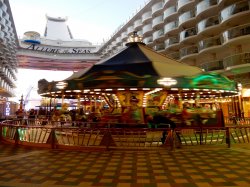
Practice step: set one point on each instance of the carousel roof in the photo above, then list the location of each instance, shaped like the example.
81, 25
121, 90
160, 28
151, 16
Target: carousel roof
136, 66
140, 60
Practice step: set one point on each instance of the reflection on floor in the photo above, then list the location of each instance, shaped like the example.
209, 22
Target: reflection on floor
22, 167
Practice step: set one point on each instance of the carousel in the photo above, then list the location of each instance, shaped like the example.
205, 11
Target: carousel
137, 82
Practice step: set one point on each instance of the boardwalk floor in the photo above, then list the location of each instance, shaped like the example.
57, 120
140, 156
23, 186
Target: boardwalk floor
22, 167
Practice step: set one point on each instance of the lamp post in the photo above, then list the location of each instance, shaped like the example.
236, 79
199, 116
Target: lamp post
62, 85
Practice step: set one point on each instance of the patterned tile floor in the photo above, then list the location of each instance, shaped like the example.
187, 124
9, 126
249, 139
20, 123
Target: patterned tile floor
22, 167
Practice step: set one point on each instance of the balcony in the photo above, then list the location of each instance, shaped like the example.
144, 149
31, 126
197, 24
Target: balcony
1, 13
238, 60
209, 43
130, 29
237, 35
207, 23
188, 34
3, 22
187, 18
118, 40
212, 66
157, 22
205, 7
158, 35
148, 40
230, 14
185, 5
170, 13
168, 3
146, 17
124, 36
225, 3
175, 55
137, 24
159, 47
188, 51
156, 8
171, 27
147, 29
172, 42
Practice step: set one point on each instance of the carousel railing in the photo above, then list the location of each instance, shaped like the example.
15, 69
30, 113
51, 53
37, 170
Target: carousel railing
237, 120
119, 136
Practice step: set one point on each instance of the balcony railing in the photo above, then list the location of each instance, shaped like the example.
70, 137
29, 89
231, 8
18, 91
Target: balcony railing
156, 7
211, 21
171, 41
118, 40
188, 51
209, 42
158, 20
182, 3
158, 34
146, 16
148, 40
188, 33
124, 35
204, 5
169, 11
159, 47
170, 26
175, 55
239, 59
138, 23
212, 66
147, 28
238, 7
186, 16
236, 32
130, 29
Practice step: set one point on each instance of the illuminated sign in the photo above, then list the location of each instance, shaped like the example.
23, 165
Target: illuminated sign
167, 81
62, 50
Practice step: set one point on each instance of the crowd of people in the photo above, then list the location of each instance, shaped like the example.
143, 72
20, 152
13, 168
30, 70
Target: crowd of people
188, 116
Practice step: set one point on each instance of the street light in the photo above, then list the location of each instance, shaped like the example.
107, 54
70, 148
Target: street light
61, 85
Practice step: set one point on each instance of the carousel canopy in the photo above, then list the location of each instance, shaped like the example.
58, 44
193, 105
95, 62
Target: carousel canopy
140, 60
137, 66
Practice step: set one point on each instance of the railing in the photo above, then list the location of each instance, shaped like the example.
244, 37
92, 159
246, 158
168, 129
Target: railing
148, 40
182, 3
169, 11
172, 40
170, 26
159, 47
156, 7
211, 21
112, 137
233, 121
209, 42
238, 59
146, 16
204, 5
158, 34
186, 16
212, 66
238, 7
187, 33
235, 32
189, 50
157, 21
